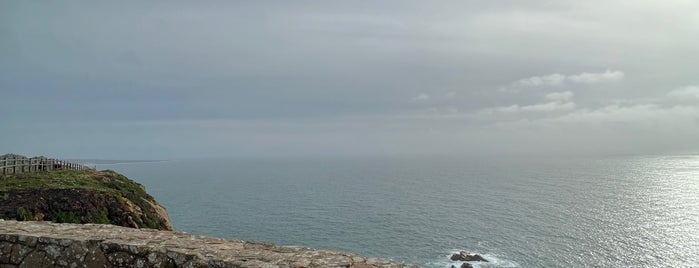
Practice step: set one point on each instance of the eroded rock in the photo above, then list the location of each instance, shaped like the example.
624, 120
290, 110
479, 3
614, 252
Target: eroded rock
465, 256
45, 244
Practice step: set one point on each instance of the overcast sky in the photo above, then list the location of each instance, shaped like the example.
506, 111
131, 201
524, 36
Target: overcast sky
170, 79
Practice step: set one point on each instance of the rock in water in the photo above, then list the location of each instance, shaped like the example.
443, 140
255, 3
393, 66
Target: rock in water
465, 256
466, 265
476, 257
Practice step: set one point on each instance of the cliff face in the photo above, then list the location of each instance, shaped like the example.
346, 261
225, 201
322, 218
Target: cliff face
48, 245
85, 196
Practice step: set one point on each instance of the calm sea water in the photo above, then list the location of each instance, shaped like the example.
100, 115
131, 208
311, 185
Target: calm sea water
518, 212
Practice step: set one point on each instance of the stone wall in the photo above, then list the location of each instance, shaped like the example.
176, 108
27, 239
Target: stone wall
45, 244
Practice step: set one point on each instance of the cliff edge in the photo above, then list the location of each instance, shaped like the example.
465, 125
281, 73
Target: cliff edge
80, 196
49, 245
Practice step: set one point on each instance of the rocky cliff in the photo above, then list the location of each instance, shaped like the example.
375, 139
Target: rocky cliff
84, 196
48, 245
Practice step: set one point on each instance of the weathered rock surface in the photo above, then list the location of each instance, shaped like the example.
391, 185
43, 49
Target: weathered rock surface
465, 256
45, 244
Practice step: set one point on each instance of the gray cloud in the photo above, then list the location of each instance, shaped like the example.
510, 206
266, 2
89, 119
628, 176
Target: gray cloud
315, 77
561, 80
560, 96
685, 94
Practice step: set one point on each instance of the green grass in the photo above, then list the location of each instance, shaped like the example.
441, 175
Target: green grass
24, 215
107, 180
67, 217
98, 217
63, 179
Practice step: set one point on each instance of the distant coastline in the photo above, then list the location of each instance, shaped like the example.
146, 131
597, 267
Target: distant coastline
112, 162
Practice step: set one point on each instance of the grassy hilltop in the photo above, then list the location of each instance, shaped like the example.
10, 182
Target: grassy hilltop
84, 196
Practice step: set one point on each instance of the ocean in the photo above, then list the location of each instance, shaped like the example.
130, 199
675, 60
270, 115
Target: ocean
616, 211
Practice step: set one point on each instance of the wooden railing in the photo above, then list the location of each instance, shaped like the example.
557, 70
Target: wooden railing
36, 164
